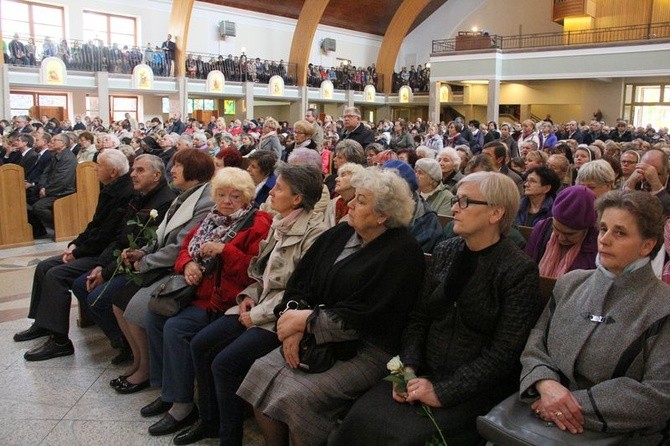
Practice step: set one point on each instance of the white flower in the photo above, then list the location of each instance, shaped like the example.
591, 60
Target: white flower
153, 214
395, 365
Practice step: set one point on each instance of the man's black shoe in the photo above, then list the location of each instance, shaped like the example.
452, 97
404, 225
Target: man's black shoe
33, 332
168, 424
50, 349
157, 407
200, 429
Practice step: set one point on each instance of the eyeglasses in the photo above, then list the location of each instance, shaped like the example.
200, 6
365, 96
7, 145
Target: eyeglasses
626, 162
464, 202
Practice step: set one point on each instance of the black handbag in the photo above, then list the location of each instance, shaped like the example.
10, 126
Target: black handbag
171, 296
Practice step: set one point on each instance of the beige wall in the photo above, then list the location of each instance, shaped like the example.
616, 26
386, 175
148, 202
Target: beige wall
506, 18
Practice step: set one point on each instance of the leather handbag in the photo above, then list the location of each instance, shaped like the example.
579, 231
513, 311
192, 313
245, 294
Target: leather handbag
171, 296
512, 423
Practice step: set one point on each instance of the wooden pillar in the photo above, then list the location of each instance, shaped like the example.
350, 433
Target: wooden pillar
180, 19
403, 19
303, 36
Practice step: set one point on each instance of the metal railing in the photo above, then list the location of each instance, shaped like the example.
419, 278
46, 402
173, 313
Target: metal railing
239, 68
542, 40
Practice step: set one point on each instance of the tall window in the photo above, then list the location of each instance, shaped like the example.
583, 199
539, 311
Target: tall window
110, 28
647, 104
21, 102
30, 19
122, 105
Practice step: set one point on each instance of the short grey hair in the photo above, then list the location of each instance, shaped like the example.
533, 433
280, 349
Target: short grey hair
156, 164
452, 154
427, 151
200, 136
304, 180
117, 160
187, 139
351, 168
304, 155
392, 196
352, 150
599, 171
498, 190
115, 139
352, 111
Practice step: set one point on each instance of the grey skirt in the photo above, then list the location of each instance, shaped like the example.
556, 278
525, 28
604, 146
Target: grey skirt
138, 307
311, 404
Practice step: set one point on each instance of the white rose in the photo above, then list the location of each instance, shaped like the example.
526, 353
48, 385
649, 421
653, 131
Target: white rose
395, 364
153, 214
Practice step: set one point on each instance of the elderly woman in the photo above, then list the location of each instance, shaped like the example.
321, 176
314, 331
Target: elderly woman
224, 351
429, 177
191, 173
453, 137
371, 153
567, 240
539, 190
346, 151
359, 281
302, 131
401, 138
597, 360
338, 208
269, 139
534, 159
465, 335
214, 257
450, 162
261, 168
547, 137
598, 176
219, 126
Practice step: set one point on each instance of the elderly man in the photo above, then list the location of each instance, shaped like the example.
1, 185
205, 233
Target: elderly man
310, 116
57, 180
354, 129
50, 299
651, 174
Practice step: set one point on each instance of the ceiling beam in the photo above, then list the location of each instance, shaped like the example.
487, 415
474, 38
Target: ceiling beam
303, 37
400, 24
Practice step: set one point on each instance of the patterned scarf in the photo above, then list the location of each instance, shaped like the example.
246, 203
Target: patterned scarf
214, 228
555, 261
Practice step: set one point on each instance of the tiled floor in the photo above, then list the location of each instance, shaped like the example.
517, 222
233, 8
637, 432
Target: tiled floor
64, 401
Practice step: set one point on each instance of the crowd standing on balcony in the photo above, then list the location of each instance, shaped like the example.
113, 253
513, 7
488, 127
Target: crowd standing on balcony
597, 199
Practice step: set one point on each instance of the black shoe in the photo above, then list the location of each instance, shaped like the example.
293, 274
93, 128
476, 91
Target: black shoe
199, 430
157, 407
33, 332
116, 382
168, 425
50, 349
126, 387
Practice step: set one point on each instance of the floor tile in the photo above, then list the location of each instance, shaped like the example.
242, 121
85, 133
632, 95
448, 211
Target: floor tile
25, 432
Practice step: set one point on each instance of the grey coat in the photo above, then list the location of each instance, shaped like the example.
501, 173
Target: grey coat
583, 354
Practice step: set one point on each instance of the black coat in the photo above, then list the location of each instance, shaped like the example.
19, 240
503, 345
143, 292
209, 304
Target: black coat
106, 223
28, 160
362, 135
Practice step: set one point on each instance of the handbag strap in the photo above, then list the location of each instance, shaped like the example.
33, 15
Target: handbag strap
636, 347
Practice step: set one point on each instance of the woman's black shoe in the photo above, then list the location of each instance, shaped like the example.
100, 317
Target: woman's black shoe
116, 382
200, 429
168, 424
157, 407
127, 387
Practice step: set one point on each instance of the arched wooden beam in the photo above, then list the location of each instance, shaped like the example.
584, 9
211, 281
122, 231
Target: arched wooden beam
400, 24
180, 19
303, 36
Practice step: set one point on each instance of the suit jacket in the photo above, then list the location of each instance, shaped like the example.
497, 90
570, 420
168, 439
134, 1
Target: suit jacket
171, 233
58, 178
43, 160
582, 354
28, 160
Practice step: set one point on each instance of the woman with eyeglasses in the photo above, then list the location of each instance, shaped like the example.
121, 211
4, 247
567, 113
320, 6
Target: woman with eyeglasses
539, 191
467, 332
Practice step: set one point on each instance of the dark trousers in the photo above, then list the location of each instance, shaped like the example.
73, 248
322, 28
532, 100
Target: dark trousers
50, 299
41, 215
98, 303
223, 353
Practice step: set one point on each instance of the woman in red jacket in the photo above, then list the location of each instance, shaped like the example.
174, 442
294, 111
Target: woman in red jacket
169, 337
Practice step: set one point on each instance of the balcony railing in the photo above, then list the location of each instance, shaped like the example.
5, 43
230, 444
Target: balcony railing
543, 40
239, 68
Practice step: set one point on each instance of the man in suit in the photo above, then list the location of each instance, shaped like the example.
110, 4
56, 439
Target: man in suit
169, 48
24, 146
354, 129
33, 175
50, 299
574, 133
57, 180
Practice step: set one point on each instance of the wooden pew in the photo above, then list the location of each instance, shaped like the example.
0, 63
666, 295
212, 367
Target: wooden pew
14, 227
525, 231
546, 288
73, 212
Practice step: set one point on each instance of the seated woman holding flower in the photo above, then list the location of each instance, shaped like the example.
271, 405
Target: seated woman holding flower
230, 235
598, 357
466, 334
361, 279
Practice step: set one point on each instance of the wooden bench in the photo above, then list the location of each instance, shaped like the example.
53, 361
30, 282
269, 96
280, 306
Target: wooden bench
14, 229
546, 289
73, 212
525, 231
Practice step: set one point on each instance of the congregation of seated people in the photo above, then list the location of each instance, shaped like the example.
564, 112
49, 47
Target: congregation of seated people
423, 240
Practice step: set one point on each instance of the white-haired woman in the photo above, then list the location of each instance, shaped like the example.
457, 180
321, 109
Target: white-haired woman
269, 139
598, 176
361, 279
429, 178
217, 287
338, 208
450, 161
465, 335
